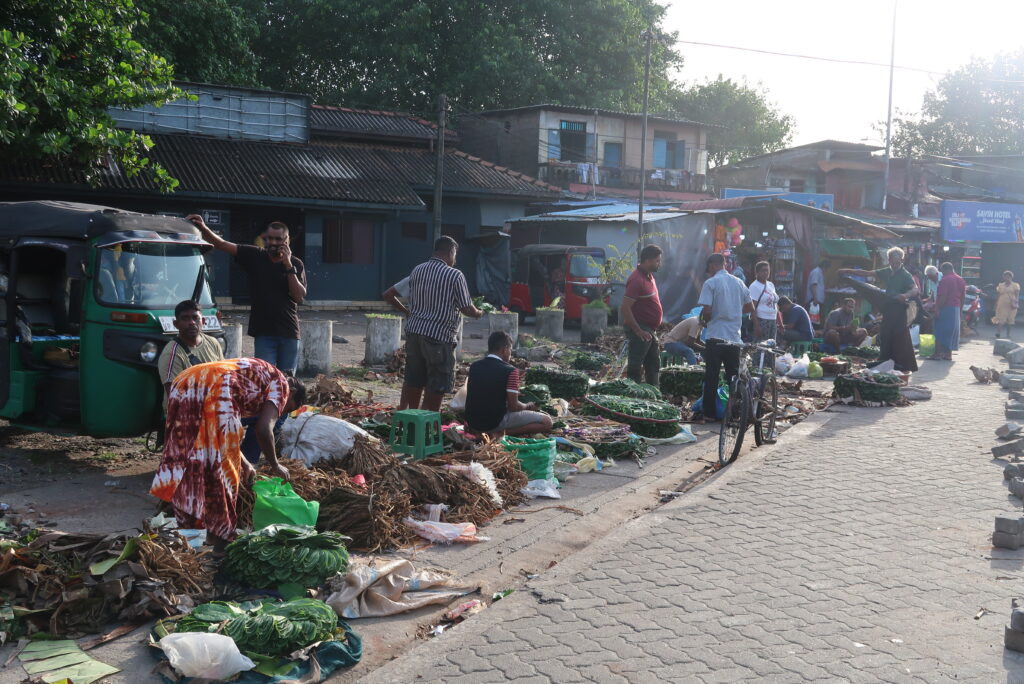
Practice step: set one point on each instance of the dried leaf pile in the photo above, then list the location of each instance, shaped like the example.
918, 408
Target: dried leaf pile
373, 519
69, 584
509, 474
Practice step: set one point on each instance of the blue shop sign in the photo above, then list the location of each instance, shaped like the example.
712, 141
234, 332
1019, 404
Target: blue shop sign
982, 221
818, 200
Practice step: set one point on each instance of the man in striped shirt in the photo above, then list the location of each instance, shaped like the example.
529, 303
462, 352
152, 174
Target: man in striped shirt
438, 296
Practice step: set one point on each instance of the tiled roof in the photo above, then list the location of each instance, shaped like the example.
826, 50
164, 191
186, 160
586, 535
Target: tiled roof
362, 122
333, 172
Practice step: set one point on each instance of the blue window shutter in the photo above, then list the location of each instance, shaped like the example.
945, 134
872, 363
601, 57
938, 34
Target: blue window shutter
660, 153
591, 147
554, 146
612, 154
680, 155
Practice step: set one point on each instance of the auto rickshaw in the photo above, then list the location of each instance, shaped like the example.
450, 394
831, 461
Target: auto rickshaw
89, 296
543, 272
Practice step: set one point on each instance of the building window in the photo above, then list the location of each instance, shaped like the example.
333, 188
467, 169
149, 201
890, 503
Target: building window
414, 231
796, 184
349, 240
572, 141
669, 153
613, 154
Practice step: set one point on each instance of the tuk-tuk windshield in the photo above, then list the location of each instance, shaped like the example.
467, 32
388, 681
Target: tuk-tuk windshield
586, 265
150, 275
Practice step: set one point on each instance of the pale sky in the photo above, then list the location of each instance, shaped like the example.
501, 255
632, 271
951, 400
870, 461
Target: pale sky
841, 101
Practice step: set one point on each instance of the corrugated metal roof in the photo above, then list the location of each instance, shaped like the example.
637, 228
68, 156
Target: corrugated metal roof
339, 172
572, 109
324, 119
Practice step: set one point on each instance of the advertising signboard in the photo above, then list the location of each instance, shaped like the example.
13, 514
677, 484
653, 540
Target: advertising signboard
819, 200
982, 221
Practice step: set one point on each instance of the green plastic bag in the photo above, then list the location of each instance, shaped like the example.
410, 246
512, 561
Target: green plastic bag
536, 456
814, 370
927, 345
277, 503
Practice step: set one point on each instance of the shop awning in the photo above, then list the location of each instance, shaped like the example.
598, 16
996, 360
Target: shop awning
843, 248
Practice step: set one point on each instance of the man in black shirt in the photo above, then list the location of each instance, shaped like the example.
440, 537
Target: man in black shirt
277, 285
492, 394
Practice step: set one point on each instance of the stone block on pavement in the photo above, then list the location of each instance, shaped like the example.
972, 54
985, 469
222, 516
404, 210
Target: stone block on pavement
1013, 640
1011, 523
1017, 620
1007, 348
1014, 383
1009, 430
1017, 487
1014, 447
1002, 345
1013, 470
1004, 540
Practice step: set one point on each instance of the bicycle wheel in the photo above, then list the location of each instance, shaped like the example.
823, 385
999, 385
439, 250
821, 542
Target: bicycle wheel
734, 423
766, 410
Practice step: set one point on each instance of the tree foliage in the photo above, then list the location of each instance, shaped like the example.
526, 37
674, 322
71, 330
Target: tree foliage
976, 109
750, 123
62, 64
402, 54
208, 41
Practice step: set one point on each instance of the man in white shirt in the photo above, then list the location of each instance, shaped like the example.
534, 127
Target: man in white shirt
725, 299
816, 284
681, 340
766, 312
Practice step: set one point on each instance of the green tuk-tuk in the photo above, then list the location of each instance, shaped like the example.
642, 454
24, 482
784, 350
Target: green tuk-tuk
89, 295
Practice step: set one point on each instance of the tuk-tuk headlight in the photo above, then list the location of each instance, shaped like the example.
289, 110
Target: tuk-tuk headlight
148, 352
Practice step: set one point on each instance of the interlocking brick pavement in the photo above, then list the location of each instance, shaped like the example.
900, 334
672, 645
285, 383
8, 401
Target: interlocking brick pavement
857, 549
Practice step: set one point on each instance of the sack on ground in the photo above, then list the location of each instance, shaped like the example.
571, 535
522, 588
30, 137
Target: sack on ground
213, 657
801, 368
313, 437
536, 456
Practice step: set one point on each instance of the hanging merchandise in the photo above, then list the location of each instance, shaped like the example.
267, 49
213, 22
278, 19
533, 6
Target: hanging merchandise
734, 232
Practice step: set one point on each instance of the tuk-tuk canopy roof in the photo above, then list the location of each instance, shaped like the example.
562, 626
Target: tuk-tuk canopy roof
545, 250
82, 221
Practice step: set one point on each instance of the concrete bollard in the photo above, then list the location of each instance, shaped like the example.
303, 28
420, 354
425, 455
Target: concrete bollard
315, 347
1008, 531
551, 324
383, 338
233, 341
507, 322
593, 324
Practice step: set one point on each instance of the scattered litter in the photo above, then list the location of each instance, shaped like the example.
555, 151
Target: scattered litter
209, 656
388, 586
512, 521
542, 488
542, 599
859, 645
665, 496
445, 533
465, 610
116, 484
896, 641
498, 595
982, 612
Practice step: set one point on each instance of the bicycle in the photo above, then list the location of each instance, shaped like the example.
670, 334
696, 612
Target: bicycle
753, 400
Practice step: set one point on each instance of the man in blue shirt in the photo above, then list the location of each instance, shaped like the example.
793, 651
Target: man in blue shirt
725, 299
796, 322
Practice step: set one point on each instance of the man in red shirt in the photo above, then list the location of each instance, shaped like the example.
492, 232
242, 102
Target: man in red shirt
641, 315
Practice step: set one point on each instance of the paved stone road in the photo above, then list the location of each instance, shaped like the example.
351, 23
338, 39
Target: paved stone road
856, 550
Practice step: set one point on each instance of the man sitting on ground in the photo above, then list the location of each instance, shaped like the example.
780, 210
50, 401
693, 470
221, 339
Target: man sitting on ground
492, 395
839, 329
683, 339
795, 321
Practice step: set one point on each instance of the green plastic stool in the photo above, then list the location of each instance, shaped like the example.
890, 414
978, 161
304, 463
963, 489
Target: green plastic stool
417, 433
800, 347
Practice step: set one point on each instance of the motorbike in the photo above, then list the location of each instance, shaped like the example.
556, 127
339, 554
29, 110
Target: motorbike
970, 312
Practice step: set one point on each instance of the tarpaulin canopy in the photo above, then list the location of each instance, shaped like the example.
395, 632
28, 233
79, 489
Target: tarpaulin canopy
843, 248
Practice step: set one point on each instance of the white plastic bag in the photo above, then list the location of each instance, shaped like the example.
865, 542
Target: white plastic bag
209, 656
784, 363
915, 335
480, 474
458, 402
312, 437
546, 488
800, 368
446, 533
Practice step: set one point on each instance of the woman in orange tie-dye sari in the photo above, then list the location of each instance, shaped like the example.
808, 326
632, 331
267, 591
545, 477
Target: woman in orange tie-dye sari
202, 464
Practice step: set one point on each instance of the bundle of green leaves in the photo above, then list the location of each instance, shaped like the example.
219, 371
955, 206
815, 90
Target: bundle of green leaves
682, 381
645, 417
564, 384
265, 627
590, 361
878, 387
624, 387
286, 554
862, 352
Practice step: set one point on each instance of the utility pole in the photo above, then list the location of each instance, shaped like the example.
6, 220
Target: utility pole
643, 140
442, 108
888, 122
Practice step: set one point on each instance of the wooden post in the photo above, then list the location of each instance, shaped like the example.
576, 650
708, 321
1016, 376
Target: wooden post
383, 338
551, 324
509, 322
315, 347
233, 339
593, 323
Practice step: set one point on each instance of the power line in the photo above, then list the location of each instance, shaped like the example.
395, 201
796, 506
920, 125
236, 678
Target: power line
836, 60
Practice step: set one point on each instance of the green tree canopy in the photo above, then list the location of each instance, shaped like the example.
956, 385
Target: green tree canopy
62, 64
976, 109
750, 123
208, 41
402, 54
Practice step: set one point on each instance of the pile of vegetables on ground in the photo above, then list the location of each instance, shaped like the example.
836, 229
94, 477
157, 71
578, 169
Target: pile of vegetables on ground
624, 387
647, 418
285, 555
865, 385
563, 384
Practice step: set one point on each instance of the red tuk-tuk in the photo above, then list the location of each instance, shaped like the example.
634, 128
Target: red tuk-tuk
543, 272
